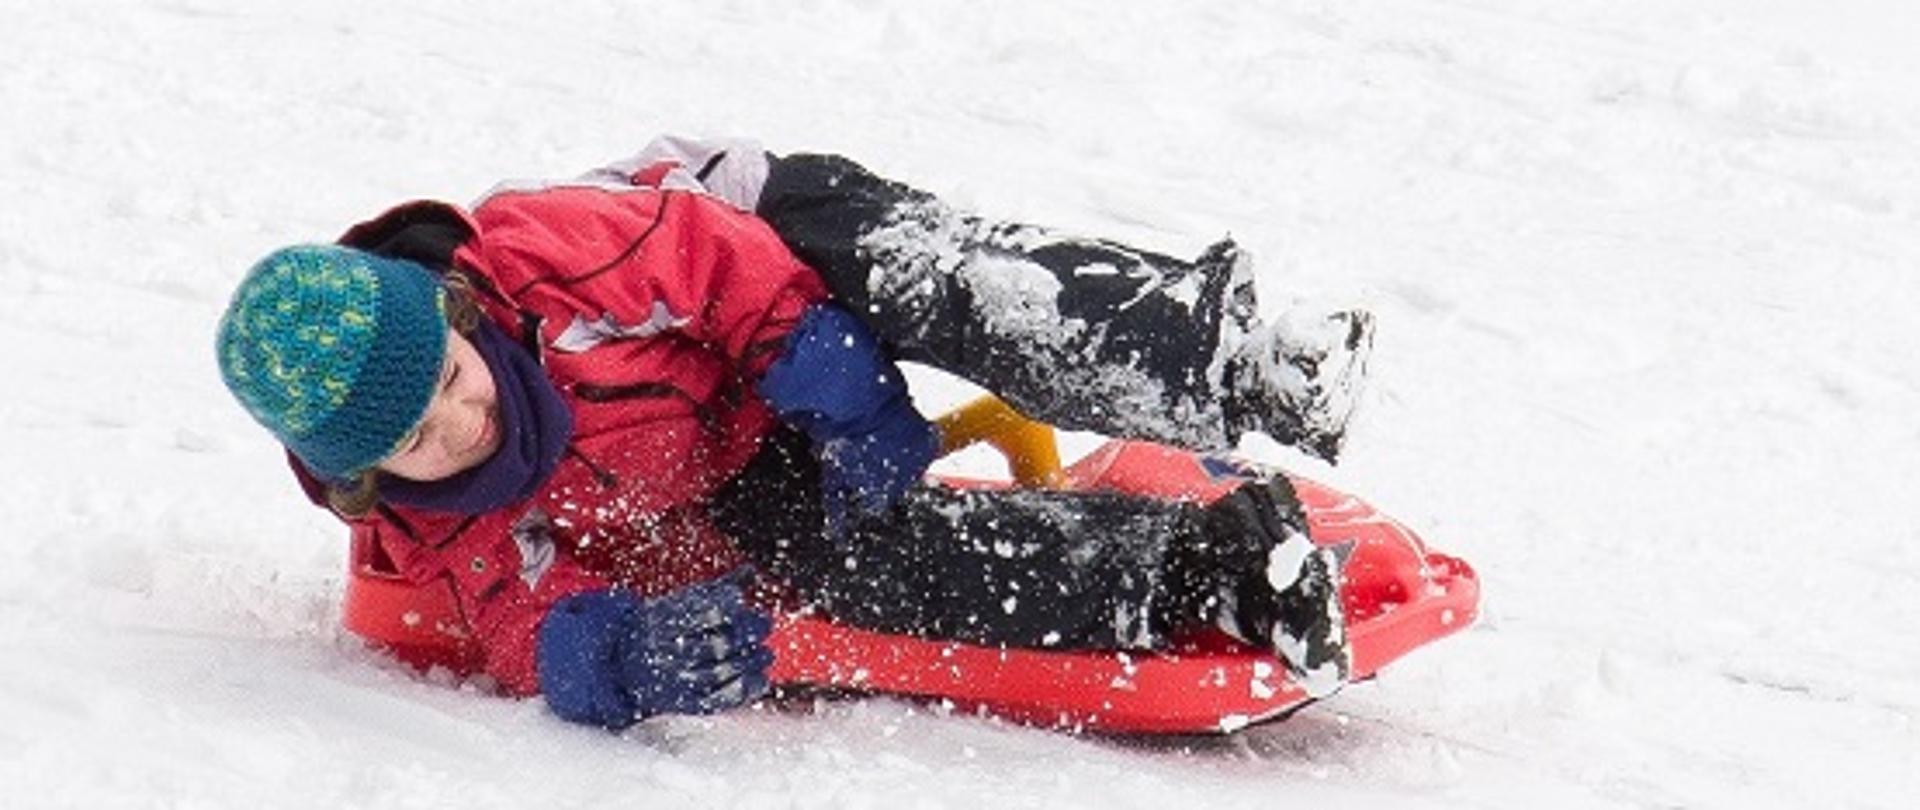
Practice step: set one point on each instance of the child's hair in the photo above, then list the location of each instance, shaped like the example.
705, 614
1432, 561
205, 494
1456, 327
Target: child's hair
362, 492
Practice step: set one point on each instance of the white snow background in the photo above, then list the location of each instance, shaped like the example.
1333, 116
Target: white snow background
1645, 279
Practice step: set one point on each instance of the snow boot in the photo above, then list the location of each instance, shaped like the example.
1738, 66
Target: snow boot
1299, 380
1290, 601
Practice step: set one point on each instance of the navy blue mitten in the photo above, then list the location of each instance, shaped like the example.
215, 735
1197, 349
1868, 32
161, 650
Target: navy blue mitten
610, 658
834, 383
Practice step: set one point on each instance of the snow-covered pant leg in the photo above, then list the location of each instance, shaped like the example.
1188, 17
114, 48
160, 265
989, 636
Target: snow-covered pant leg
1026, 568
1080, 333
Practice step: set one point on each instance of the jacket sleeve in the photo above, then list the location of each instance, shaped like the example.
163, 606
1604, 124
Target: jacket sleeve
504, 582
637, 263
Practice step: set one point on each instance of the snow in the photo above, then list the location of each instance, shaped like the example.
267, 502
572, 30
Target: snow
1643, 274
1287, 561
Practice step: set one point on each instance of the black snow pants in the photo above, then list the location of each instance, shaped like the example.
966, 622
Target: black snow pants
1017, 567
1082, 334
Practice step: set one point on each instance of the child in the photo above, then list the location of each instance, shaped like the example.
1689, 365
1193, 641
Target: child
586, 404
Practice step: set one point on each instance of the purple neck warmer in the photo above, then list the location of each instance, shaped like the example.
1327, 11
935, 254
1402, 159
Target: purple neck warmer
535, 427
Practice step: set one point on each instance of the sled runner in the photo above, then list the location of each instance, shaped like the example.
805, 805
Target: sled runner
1398, 595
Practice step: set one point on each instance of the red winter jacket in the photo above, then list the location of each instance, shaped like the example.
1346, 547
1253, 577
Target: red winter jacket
656, 311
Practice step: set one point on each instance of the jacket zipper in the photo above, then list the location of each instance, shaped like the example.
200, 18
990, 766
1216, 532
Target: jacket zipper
594, 392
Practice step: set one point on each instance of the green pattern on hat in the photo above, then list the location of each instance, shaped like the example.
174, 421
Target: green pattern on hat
336, 351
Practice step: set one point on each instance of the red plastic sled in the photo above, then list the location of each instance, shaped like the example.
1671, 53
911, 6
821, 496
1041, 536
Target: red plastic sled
1398, 596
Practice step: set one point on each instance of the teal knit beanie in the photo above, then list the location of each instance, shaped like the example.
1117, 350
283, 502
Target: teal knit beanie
336, 351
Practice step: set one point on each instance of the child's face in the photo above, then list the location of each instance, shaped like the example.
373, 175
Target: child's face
461, 427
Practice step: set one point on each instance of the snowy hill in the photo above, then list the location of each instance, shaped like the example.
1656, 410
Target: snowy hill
1644, 274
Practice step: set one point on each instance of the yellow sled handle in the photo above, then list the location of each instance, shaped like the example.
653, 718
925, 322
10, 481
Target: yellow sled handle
1033, 456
